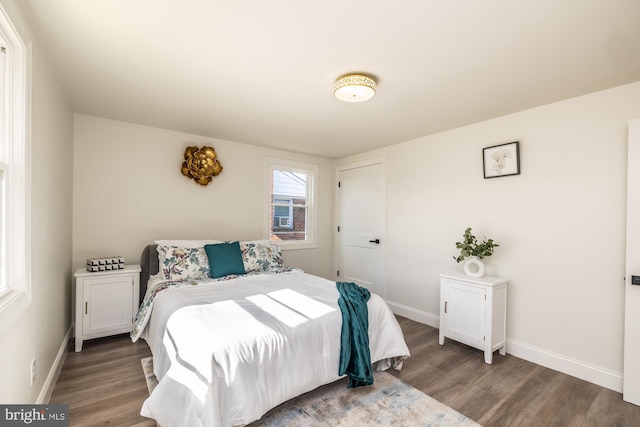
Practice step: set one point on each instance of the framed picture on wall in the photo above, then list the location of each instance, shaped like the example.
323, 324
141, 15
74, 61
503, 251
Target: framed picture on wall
501, 160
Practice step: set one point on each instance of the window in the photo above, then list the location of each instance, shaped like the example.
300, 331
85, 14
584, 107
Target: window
14, 173
291, 206
283, 213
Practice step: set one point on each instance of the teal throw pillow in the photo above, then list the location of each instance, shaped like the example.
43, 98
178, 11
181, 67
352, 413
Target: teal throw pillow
224, 259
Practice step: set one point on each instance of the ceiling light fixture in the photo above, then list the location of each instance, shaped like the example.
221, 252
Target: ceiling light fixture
354, 88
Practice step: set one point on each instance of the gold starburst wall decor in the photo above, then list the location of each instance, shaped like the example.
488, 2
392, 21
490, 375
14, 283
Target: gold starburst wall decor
201, 164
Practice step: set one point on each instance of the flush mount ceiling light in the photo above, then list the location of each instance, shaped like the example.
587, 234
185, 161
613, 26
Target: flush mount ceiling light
354, 88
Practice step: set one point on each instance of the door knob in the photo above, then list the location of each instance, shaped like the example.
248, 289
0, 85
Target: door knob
377, 241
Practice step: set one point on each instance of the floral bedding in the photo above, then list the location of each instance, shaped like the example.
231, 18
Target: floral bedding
185, 263
158, 284
179, 262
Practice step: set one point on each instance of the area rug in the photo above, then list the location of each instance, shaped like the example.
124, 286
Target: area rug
149, 376
388, 402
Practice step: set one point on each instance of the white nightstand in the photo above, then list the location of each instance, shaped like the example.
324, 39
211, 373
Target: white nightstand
106, 302
474, 312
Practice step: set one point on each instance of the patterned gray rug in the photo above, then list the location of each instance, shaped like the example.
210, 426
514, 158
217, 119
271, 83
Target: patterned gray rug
388, 402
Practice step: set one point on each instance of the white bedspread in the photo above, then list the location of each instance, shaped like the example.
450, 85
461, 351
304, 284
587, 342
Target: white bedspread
227, 352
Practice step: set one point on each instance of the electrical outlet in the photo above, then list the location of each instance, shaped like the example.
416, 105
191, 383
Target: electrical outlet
33, 371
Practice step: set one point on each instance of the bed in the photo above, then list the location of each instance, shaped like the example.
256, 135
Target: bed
231, 343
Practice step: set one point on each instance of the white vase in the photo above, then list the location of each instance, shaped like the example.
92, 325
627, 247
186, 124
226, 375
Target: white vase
473, 267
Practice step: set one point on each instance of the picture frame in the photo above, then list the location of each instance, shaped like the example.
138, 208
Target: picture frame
501, 160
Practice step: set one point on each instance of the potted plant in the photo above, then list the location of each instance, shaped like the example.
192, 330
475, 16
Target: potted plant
474, 252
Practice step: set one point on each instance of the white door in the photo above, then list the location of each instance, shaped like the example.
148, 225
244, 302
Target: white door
360, 237
631, 378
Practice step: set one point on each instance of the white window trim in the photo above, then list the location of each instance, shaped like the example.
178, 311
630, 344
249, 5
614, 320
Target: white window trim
312, 201
16, 297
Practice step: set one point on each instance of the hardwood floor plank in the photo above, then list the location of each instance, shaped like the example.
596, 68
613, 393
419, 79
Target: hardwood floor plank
104, 385
502, 377
606, 410
102, 412
572, 393
474, 402
520, 406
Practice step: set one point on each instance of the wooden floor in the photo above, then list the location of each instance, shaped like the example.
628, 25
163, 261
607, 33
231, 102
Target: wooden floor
104, 385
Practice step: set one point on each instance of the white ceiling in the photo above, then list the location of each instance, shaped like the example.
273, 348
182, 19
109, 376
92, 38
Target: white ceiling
262, 72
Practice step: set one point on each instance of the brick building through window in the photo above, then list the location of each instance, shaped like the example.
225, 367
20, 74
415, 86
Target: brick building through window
289, 205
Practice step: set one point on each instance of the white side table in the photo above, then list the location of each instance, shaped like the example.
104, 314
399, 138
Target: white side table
106, 302
473, 311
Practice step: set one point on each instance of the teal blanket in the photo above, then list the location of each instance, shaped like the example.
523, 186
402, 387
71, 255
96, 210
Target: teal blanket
355, 357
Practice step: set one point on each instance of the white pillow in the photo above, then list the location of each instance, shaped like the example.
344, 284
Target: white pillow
186, 243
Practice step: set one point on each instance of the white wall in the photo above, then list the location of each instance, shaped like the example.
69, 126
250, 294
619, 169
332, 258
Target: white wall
560, 224
42, 329
129, 191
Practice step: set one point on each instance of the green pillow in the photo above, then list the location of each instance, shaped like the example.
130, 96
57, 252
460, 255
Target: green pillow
224, 259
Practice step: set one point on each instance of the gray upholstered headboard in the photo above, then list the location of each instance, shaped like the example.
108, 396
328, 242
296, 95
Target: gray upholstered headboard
149, 264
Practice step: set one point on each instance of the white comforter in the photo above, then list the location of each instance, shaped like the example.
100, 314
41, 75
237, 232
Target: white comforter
227, 352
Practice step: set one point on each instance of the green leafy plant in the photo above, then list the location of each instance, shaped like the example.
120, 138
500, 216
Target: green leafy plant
470, 246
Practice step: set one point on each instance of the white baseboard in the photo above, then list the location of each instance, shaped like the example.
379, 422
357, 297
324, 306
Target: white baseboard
414, 314
54, 372
594, 374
